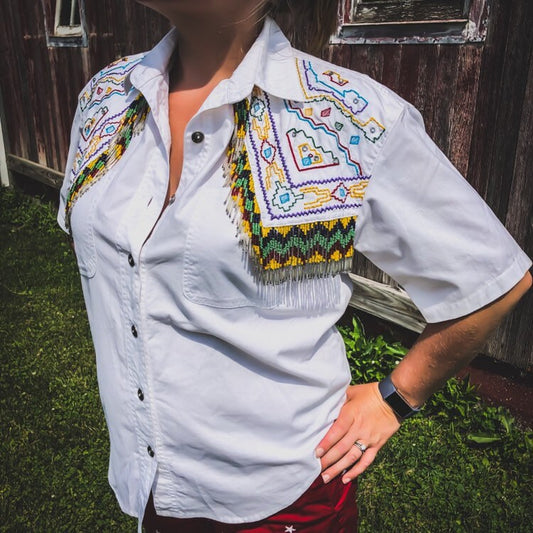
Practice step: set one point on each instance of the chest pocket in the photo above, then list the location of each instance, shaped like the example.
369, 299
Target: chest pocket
82, 225
217, 270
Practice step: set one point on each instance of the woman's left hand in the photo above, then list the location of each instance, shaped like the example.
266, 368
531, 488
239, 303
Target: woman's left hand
440, 351
365, 418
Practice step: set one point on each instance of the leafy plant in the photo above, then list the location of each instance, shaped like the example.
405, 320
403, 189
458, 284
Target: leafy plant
457, 404
455, 401
370, 359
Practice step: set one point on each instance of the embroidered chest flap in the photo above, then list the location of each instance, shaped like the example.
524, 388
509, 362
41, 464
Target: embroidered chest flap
298, 172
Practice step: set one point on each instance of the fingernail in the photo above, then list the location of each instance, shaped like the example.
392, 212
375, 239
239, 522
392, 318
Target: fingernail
346, 480
325, 478
319, 452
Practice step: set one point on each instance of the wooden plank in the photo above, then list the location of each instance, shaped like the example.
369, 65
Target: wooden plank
392, 56
383, 301
409, 78
521, 193
463, 105
485, 130
445, 82
517, 49
12, 83
513, 340
5, 177
35, 171
425, 98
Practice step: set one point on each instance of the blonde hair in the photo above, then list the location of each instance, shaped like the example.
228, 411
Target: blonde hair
308, 24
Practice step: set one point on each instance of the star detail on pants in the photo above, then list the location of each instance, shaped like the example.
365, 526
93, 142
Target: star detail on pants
289, 529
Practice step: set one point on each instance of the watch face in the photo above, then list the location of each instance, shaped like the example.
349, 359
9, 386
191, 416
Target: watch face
394, 399
399, 406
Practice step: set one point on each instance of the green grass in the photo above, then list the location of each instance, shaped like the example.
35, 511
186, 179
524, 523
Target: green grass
54, 441
459, 467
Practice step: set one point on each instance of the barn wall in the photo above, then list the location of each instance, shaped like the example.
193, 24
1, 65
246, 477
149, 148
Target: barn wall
40, 85
476, 99
477, 104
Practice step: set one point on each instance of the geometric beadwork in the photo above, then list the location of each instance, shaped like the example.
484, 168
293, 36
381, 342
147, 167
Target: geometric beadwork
130, 124
298, 251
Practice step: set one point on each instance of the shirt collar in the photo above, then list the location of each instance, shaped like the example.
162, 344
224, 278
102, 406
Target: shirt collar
154, 63
270, 64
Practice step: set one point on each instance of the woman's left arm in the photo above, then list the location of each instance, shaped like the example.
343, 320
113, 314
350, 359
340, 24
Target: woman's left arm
442, 349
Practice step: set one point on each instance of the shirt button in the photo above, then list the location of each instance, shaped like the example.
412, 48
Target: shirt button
130, 260
197, 137
150, 451
134, 331
140, 395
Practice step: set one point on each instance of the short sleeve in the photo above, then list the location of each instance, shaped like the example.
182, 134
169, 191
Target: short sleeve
427, 228
75, 135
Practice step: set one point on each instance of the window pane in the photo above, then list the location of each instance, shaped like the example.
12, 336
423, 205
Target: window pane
69, 14
74, 13
379, 11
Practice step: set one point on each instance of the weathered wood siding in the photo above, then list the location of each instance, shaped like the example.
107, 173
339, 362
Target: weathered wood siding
40, 85
476, 99
477, 103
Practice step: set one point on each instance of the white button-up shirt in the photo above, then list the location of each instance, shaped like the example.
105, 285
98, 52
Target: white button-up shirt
217, 389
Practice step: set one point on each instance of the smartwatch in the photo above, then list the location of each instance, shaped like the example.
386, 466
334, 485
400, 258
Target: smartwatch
397, 402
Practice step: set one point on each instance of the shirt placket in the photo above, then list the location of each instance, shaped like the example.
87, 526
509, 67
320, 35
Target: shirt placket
134, 229
203, 145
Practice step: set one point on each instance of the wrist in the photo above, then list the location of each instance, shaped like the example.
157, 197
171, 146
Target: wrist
396, 401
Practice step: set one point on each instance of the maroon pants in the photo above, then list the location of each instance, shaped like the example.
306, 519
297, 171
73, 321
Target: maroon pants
322, 508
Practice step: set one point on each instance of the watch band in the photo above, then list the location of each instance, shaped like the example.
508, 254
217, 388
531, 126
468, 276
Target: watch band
397, 402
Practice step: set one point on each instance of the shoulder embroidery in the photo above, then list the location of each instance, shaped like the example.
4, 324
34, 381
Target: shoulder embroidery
295, 175
105, 134
288, 252
311, 184
330, 90
100, 124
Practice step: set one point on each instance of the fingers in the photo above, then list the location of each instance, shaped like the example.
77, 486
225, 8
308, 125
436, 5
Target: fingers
367, 458
365, 418
336, 432
336, 450
343, 448
344, 463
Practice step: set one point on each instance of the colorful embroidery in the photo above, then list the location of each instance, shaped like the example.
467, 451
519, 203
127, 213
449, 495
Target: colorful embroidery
297, 212
331, 89
108, 82
289, 252
307, 154
297, 190
335, 77
104, 136
296, 108
99, 127
131, 123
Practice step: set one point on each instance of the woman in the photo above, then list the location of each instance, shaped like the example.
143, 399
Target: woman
216, 187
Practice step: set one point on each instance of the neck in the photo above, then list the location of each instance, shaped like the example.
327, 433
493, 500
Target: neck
210, 45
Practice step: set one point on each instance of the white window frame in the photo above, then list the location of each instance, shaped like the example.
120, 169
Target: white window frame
73, 34
72, 29
472, 27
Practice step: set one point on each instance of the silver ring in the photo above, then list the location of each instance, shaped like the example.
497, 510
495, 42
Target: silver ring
361, 446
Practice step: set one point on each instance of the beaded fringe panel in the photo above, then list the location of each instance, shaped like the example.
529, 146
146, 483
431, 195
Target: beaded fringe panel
302, 251
131, 124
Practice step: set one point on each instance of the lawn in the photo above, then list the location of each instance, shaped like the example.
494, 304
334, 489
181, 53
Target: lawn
458, 467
